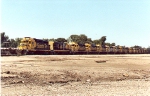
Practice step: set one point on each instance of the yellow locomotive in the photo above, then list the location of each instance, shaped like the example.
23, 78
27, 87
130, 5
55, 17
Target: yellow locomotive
33, 45
30, 45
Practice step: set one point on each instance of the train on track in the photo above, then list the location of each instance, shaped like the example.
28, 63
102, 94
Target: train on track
35, 46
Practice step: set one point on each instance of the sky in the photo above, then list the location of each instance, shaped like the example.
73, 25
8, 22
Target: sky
125, 22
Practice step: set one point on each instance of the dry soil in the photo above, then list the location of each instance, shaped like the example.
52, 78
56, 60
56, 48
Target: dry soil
75, 75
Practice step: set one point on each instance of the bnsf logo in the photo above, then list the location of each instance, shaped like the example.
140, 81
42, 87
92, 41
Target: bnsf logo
41, 45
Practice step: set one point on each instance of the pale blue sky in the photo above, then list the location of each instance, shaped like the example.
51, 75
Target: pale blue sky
125, 22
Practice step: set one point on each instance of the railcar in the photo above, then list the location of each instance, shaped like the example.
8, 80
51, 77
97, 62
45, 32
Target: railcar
30, 45
93, 49
78, 48
126, 50
59, 47
33, 46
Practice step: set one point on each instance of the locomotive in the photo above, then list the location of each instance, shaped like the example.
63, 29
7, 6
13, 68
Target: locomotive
30, 45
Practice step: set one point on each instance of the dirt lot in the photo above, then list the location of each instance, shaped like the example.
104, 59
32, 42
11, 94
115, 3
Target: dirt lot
76, 75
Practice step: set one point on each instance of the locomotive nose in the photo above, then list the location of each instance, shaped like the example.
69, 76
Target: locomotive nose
23, 46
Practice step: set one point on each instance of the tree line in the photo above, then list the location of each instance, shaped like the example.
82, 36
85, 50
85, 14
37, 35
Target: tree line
80, 39
7, 42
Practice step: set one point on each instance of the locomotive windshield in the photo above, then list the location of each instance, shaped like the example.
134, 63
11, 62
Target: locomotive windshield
24, 42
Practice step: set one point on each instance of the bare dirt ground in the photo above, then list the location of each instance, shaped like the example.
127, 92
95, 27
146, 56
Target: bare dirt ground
75, 75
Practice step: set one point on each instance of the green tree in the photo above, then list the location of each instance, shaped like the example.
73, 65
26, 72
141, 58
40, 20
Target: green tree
102, 40
75, 38
96, 41
4, 38
113, 44
13, 43
45, 39
83, 37
18, 40
118, 46
52, 39
61, 40
136, 46
80, 39
89, 40
108, 44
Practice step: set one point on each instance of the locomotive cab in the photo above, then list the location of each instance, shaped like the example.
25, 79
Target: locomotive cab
27, 43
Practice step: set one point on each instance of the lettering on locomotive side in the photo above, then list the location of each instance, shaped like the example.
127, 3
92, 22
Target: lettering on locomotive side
41, 45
